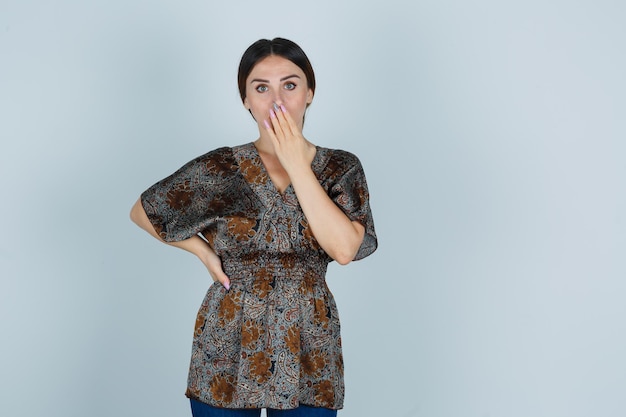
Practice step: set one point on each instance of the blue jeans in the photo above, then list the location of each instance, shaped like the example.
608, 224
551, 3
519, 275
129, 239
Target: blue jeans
199, 409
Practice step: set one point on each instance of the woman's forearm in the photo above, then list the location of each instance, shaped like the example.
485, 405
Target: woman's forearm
194, 244
334, 231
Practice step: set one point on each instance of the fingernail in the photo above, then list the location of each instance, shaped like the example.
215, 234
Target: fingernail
272, 114
227, 286
276, 107
267, 125
283, 108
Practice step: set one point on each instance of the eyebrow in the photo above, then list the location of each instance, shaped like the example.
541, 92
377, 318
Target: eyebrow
258, 80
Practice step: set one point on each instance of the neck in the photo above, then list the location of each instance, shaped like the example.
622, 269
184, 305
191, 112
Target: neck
264, 144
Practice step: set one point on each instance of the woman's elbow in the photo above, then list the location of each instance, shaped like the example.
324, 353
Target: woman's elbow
344, 256
137, 213
343, 260
346, 253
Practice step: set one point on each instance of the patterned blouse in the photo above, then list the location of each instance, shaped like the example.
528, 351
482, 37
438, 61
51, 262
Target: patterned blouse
272, 340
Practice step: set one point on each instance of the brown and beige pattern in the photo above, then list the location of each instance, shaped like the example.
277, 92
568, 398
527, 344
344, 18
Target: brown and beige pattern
272, 340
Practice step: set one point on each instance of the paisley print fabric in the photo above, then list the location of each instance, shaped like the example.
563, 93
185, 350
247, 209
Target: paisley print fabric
273, 339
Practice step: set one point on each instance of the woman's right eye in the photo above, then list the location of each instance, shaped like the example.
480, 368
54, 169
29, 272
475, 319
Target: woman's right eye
261, 88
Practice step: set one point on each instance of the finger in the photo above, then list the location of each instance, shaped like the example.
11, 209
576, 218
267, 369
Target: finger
293, 127
222, 279
271, 133
283, 121
269, 126
278, 130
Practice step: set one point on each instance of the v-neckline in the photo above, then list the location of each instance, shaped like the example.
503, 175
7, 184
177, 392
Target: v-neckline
259, 179
263, 168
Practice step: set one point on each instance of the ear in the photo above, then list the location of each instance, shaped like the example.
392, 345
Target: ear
246, 104
309, 96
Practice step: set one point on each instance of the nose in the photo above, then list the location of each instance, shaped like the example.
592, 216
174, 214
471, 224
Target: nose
278, 98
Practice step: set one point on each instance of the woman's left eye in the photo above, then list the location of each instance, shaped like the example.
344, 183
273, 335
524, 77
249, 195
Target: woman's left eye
290, 86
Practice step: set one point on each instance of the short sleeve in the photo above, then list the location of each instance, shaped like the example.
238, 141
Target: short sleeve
192, 198
348, 189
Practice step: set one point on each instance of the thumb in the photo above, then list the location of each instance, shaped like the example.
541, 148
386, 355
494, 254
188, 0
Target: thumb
222, 279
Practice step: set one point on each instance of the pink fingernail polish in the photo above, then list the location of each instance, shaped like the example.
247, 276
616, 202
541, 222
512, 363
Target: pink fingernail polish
272, 114
267, 125
227, 286
282, 107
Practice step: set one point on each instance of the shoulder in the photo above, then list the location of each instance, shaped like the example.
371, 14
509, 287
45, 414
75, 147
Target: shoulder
338, 161
339, 155
219, 161
220, 156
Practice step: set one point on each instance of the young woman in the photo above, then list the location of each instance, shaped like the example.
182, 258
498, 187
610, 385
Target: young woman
266, 218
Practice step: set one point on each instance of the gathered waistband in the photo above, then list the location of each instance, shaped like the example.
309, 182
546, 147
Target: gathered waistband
288, 266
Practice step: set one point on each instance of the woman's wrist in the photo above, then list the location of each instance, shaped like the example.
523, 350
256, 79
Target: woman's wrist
195, 245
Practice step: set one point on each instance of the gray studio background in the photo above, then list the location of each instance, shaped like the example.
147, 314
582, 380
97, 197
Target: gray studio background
492, 133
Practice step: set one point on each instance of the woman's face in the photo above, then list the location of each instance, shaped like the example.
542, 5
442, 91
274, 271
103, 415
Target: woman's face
277, 80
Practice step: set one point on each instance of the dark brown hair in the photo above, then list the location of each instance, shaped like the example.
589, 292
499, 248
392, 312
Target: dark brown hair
263, 48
